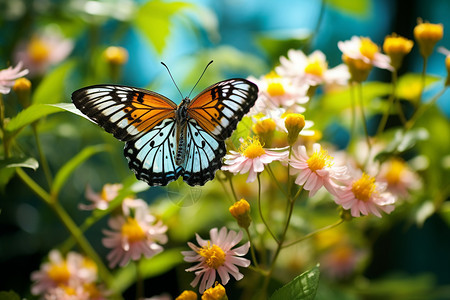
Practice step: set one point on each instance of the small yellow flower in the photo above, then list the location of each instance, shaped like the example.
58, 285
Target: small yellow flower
116, 55
265, 129
241, 212
294, 124
215, 293
396, 47
427, 35
187, 295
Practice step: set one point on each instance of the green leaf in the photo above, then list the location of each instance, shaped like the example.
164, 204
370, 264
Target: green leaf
29, 115
5, 176
11, 295
358, 8
301, 287
64, 173
401, 142
157, 265
410, 84
26, 162
51, 89
153, 19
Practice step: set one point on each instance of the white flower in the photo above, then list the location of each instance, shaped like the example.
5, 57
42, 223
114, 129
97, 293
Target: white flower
251, 158
312, 70
217, 255
101, 201
361, 48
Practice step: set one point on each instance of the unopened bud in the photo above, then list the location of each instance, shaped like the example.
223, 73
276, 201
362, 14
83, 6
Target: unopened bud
294, 124
241, 212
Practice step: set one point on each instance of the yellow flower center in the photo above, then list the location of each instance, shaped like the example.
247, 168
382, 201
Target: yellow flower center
364, 187
319, 160
395, 171
60, 273
274, 85
132, 230
368, 48
252, 148
315, 67
214, 255
38, 50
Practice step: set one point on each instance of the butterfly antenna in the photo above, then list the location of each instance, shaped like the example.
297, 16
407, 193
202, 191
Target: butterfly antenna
200, 77
170, 74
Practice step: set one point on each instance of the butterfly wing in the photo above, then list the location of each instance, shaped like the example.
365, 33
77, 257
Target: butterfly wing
203, 156
143, 119
124, 111
221, 106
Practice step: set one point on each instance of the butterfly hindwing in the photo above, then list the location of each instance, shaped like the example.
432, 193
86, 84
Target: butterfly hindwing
203, 155
221, 106
151, 157
124, 111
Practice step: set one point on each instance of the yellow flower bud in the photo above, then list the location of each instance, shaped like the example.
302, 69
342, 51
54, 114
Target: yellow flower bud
215, 293
396, 47
241, 212
265, 129
359, 70
294, 124
187, 295
22, 87
116, 55
427, 35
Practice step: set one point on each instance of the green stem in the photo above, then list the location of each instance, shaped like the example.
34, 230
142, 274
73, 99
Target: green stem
353, 116
363, 116
391, 101
422, 109
252, 248
139, 282
260, 210
76, 233
44, 162
311, 234
274, 178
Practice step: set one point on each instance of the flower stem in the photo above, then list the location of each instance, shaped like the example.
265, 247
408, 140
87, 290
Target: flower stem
311, 234
252, 248
363, 116
139, 282
44, 162
353, 106
391, 100
422, 109
260, 210
69, 224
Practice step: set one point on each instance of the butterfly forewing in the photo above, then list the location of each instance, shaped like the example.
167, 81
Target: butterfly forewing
124, 111
221, 106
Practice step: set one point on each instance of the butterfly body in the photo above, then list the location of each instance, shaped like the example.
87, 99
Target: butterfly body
164, 141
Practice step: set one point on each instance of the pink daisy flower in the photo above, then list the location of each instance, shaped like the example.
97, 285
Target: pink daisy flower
312, 69
251, 158
399, 177
316, 170
101, 200
74, 270
134, 234
217, 255
9, 76
363, 195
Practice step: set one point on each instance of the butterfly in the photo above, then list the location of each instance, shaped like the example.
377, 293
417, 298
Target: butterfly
164, 141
